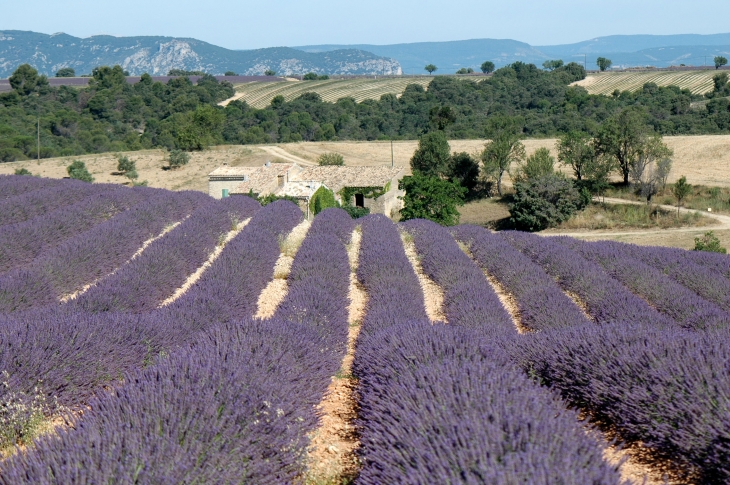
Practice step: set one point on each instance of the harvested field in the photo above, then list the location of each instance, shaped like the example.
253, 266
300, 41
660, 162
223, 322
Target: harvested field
699, 82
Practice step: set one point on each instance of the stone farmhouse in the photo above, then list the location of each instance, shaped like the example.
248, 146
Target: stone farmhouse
373, 187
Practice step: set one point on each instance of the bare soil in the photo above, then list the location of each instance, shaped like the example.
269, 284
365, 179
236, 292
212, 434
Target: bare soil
433, 296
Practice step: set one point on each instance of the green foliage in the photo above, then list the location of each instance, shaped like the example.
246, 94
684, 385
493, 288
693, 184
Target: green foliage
465, 70
709, 242
106, 77
680, 190
550, 65
331, 159
487, 67
503, 149
576, 150
720, 82
356, 212
184, 73
720, 61
464, 170
311, 76
537, 165
322, 199
22, 171
268, 199
178, 158
431, 198
66, 72
77, 170
442, 116
623, 137
433, 155
603, 63
132, 175
372, 192
545, 202
230, 73
124, 164
269, 72
25, 80
431, 68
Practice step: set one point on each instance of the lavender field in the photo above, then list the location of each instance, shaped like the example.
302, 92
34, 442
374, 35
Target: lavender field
131, 352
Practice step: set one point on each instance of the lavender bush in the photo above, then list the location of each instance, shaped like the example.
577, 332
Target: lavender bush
14, 185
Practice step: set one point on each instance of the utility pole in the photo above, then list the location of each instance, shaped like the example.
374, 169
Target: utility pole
39, 139
585, 61
392, 154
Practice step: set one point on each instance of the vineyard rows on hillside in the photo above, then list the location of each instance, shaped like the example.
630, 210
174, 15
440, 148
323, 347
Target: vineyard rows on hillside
260, 94
150, 346
699, 82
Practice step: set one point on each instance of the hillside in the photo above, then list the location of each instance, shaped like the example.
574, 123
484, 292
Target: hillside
260, 94
699, 82
157, 55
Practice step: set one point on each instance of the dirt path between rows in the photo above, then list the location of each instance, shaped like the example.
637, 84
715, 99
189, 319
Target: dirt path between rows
723, 223
433, 295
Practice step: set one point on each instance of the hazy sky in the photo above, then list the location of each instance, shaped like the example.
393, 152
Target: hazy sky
268, 23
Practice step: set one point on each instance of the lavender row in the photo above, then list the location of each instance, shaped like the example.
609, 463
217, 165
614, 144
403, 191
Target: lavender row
144, 283
255, 430
714, 261
442, 403
96, 253
606, 299
13, 185
22, 242
666, 295
235, 407
90, 350
38, 202
678, 264
394, 294
541, 302
468, 297
666, 388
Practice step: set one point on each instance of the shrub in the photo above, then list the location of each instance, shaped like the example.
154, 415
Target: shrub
709, 242
537, 165
322, 199
132, 175
178, 158
431, 198
77, 170
331, 159
124, 164
544, 202
22, 171
356, 212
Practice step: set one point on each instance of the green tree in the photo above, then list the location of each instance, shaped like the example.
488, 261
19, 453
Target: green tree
680, 190
504, 148
230, 73
331, 159
106, 77
487, 67
431, 198
545, 202
719, 81
603, 63
537, 165
551, 65
77, 170
66, 72
709, 242
575, 150
178, 158
431, 68
623, 137
597, 173
720, 61
124, 164
465, 70
25, 80
651, 167
22, 171
442, 116
433, 155
322, 199
464, 170
132, 175
269, 72
310, 76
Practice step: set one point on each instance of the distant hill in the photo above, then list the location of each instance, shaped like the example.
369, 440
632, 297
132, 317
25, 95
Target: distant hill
623, 50
157, 55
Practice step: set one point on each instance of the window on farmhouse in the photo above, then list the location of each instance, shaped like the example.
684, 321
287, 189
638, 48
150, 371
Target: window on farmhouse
359, 200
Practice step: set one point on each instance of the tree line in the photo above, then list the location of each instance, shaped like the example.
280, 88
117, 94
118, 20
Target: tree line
112, 115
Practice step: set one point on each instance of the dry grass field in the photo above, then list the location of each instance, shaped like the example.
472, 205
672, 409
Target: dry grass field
260, 94
699, 82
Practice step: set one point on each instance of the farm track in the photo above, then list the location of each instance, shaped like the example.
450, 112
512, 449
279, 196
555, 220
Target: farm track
433, 295
260, 94
331, 455
281, 153
723, 223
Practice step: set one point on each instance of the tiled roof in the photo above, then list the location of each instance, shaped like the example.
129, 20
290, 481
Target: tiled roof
337, 177
226, 171
264, 178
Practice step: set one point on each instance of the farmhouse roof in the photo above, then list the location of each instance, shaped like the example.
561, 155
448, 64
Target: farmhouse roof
226, 171
261, 178
337, 177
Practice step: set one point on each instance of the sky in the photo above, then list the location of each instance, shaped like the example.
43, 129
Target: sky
268, 23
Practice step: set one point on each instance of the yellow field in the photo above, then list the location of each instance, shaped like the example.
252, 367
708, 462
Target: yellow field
699, 82
260, 94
